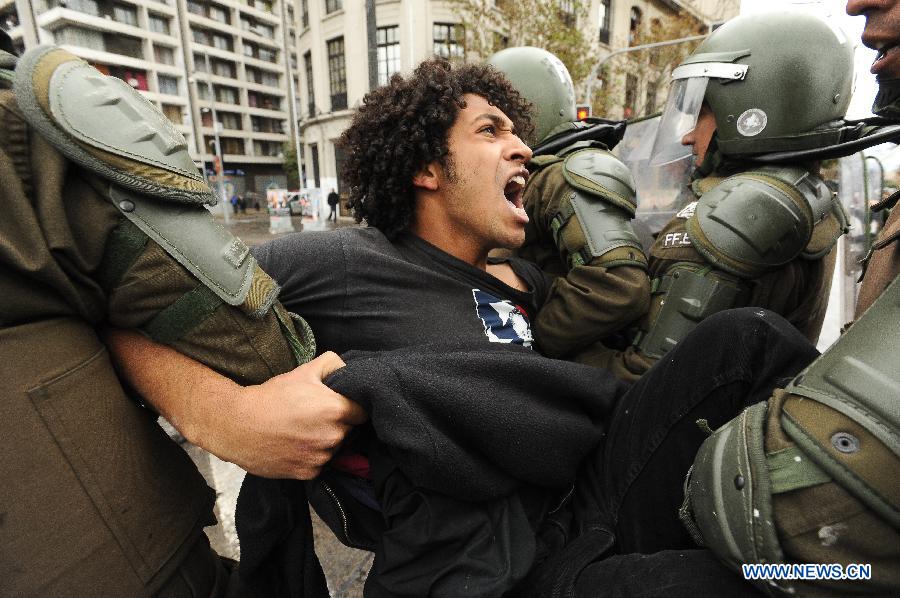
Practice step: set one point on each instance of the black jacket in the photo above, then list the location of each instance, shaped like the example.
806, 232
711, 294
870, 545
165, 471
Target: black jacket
475, 445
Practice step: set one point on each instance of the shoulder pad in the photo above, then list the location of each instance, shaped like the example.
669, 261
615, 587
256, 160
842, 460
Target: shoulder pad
755, 220
599, 173
189, 234
605, 228
105, 126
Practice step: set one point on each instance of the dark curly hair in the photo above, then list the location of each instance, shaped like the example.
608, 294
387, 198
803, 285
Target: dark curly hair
403, 126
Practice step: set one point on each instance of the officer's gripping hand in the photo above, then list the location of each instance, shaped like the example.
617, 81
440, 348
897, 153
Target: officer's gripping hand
287, 427
293, 423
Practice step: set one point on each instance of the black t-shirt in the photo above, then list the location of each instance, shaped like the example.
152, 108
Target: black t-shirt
360, 291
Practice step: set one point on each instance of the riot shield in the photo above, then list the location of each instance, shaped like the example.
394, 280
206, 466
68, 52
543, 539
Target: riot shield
661, 190
856, 193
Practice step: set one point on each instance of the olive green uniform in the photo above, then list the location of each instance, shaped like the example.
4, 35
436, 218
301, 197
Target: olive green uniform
580, 201
97, 500
797, 290
813, 474
601, 283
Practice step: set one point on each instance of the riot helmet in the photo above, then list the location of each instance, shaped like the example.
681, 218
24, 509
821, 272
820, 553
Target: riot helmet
543, 80
774, 81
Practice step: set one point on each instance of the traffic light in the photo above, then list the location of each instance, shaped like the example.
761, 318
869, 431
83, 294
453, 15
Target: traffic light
582, 112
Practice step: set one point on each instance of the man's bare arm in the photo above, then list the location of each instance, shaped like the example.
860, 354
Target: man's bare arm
287, 427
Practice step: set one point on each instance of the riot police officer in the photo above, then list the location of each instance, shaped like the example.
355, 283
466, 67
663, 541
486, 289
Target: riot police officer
104, 224
580, 201
757, 235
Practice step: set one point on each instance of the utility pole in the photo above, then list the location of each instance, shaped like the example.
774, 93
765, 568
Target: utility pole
217, 163
289, 44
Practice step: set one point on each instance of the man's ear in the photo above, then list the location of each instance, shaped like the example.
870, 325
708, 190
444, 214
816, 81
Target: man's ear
428, 177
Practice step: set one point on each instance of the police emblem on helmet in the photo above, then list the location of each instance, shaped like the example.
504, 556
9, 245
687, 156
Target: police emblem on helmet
751, 122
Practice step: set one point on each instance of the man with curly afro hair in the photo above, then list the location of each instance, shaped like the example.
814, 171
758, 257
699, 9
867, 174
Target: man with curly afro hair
436, 168
402, 131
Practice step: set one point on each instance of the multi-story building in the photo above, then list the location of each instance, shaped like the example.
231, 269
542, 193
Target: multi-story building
192, 58
333, 50
162, 47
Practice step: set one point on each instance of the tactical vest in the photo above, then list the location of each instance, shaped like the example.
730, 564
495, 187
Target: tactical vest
742, 227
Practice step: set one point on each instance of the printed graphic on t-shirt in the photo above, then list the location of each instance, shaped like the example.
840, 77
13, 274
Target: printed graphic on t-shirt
503, 322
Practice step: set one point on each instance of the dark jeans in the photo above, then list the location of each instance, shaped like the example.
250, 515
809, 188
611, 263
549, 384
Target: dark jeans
627, 496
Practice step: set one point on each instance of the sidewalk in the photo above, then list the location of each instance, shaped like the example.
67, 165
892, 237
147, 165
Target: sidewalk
345, 568
253, 227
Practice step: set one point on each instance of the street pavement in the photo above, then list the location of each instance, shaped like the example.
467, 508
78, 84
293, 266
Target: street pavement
345, 568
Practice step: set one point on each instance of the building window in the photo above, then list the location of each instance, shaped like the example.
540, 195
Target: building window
223, 68
200, 36
229, 120
337, 73
88, 7
226, 95
221, 42
604, 21
196, 8
173, 113
261, 124
232, 146
217, 13
310, 89
163, 55
634, 29
332, 6
159, 24
126, 15
304, 14
124, 44
631, 85
134, 77
267, 54
388, 53
168, 85
267, 148
262, 100
447, 38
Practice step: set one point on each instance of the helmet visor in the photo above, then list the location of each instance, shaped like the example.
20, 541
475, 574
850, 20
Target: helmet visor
678, 119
